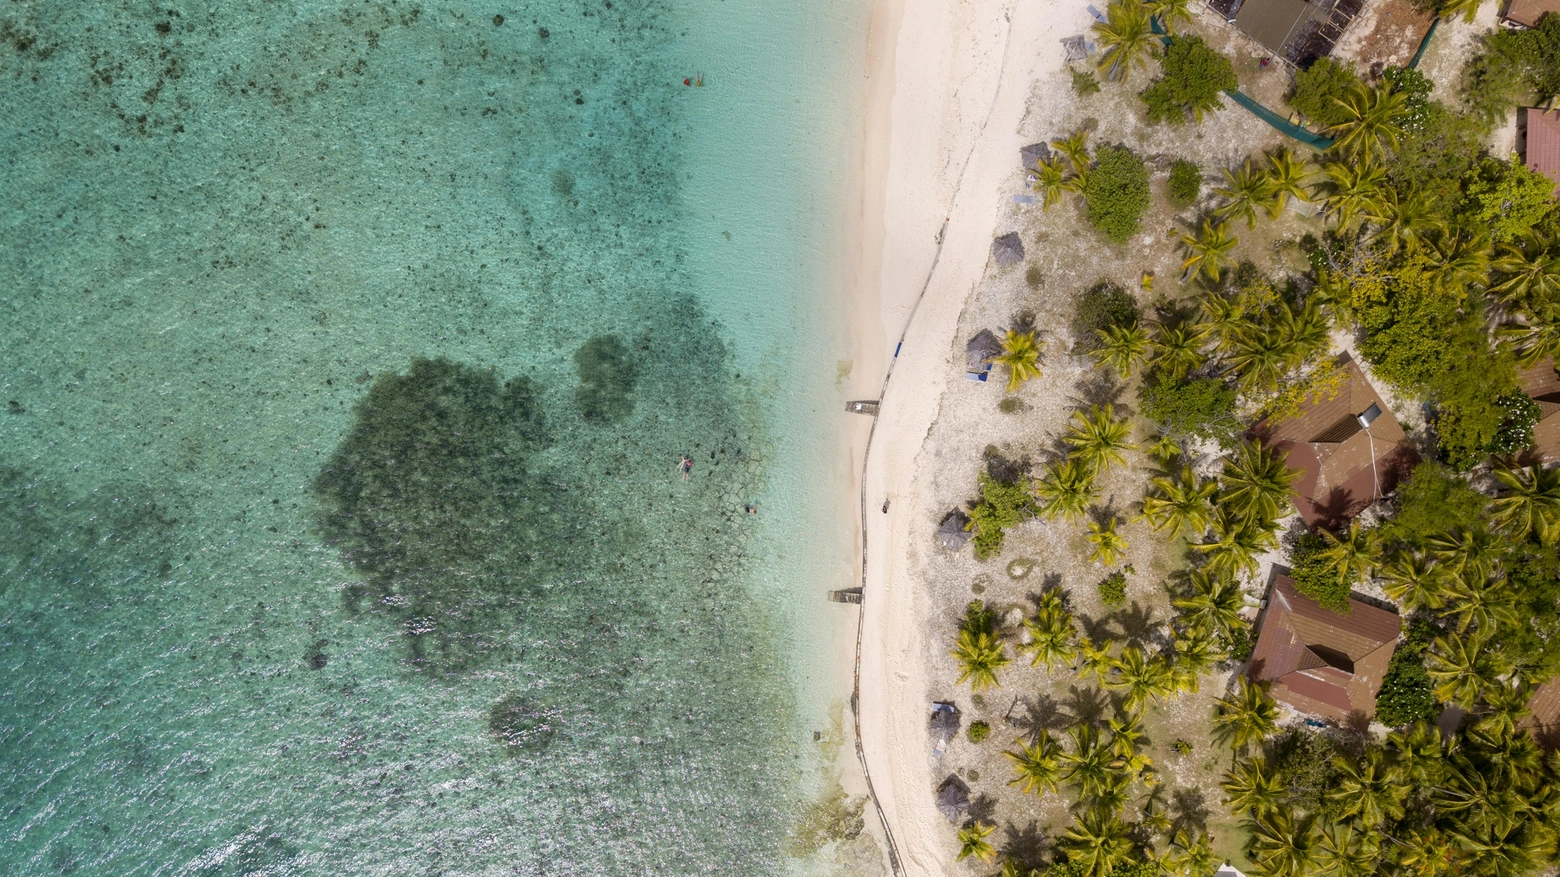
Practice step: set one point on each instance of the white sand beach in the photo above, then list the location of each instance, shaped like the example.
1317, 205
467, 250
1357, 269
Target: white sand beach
949, 82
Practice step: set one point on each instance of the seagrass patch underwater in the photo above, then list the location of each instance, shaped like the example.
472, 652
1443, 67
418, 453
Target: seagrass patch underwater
350, 356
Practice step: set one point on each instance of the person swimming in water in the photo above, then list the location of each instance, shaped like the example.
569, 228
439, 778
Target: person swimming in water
685, 466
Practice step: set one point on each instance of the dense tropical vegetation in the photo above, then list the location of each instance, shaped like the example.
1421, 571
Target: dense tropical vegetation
1442, 262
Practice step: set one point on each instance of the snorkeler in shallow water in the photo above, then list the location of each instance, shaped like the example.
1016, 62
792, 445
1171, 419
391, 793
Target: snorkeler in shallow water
685, 466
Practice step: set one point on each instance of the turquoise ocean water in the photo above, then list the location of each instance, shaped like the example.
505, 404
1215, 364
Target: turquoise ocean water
347, 354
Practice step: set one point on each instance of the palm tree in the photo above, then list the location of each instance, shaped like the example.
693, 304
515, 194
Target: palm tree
1480, 603
1470, 553
1355, 554
1407, 222
1098, 438
1368, 789
1414, 580
1534, 337
1370, 122
1195, 652
1467, 8
1457, 260
1532, 506
1088, 765
1529, 268
1126, 731
1246, 715
1244, 192
1094, 660
1505, 706
1190, 856
1021, 354
1261, 356
1253, 786
972, 842
1178, 505
1098, 840
1222, 318
1127, 38
1052, 637
1207, 252
1214, 604
1109, 545
1255, 482
1177, 349
1049, 176
1237, 540
1286, 178
1170, 13
1143, 678
1354, 193
980, 656
1419, 753
1282, 846
1305, 329
1462, 668
1036, 764
1123, 347
1343, 852
1066, 489
1075, 147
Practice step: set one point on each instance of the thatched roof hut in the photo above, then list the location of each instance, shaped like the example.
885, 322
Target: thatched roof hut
953, 798
952, 534
1032, 153
1008, 250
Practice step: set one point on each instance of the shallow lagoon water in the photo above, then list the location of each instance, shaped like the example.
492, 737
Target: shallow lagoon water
348, 351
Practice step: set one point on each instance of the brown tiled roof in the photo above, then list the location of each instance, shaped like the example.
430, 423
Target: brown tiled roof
1528, 12
1542, 382
1543, 718
1321, 662
1541, 149
1335, 454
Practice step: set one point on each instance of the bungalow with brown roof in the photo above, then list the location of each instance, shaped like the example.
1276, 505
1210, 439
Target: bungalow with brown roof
1538, 140
1318, 661
1542, 383
1527, 12
1349, 448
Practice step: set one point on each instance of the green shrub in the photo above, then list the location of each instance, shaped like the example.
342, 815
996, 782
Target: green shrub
1433, 500
979, 731
1415, 87
1516, 431
1000, 506
1103, 306
1405, 689
1202, 408
1507, 198
1184, 747
1237, 643
1319, 87
1315, 578
1116, 193
1113, 589
1303, 762
1193, 78
1185, 183
1084, 82
978, 618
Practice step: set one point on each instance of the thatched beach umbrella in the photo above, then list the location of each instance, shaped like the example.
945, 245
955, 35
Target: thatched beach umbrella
1032, 153
952, 535
953, 798
1008, 250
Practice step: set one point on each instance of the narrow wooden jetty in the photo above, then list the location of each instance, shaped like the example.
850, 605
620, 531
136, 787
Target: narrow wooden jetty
868, 407
848, 595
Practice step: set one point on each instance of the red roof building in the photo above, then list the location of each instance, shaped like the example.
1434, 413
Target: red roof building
1349, 448
1528, 12
1542, 383
1538, 139
1318, 661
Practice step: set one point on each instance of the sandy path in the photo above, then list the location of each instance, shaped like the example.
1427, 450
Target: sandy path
941, 142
